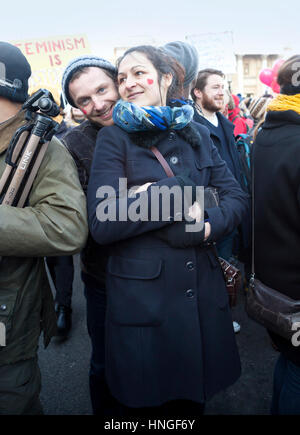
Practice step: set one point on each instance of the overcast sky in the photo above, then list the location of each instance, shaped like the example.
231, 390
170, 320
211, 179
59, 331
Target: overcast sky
256, 24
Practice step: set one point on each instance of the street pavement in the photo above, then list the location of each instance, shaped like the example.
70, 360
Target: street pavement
65, 365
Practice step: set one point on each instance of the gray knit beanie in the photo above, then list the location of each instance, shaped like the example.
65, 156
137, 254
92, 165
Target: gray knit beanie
187, 55
82, 62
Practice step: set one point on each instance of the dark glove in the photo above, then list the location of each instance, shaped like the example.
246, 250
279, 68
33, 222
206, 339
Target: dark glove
177, 236
184, 180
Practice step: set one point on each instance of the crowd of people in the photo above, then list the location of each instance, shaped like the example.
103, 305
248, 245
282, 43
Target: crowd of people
157, 308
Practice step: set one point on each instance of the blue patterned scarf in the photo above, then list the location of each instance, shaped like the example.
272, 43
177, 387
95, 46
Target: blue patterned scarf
131, 117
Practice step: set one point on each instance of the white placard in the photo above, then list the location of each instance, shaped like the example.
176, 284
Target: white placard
215, 51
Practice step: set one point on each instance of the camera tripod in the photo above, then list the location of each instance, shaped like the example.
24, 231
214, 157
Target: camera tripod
27, 148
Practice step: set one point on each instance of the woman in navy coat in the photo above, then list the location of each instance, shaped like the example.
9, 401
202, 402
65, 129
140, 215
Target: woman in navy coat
169, 332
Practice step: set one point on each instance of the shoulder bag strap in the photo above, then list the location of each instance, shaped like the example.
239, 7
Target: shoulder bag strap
162, 161
252, 216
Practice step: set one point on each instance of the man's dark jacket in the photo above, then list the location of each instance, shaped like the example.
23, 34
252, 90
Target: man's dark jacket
228, 128
81, 141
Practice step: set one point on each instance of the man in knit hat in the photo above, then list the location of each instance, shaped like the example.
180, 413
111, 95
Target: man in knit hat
89, 83
258, 108
187, 55
54, 222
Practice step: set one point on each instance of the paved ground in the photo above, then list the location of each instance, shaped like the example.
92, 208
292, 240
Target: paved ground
64, 367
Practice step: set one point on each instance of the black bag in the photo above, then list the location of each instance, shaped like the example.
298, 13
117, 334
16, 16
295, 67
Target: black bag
233, 280
272, 309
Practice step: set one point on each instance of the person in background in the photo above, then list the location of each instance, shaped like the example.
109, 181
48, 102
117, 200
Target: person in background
53, 222
208, 95
71, 118
228, 100
276, 159
245, 114
187, 55
234, 115
258, 111
76, 116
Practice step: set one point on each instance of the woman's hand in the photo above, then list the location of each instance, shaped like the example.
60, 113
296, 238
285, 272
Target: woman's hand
207, 230
142, 188
195, 211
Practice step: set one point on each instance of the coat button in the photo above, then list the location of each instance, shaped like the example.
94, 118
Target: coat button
190, 265
3, 307
174, 160
190, 293
172, 135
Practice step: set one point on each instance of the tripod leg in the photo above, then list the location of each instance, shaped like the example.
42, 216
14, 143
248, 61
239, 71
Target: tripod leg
32, 175
20, 172
15, 155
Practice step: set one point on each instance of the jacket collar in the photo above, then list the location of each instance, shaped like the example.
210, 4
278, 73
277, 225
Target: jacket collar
277, 119
226, 124
147, 139
8, 129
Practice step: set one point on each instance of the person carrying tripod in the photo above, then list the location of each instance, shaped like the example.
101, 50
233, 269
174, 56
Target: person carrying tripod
51, 222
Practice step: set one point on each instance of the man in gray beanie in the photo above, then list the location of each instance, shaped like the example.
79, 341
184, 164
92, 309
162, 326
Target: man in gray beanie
89, 83
53, 222
82, 84
187, 55
80, 65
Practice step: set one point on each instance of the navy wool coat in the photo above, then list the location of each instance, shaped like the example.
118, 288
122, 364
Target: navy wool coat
228, 128
169, 331
233, 155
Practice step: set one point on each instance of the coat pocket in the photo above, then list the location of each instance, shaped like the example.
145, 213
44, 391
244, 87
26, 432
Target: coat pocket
135, 291
205, 163
202, 170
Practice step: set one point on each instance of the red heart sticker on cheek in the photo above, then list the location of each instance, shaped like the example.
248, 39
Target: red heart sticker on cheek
150, 81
